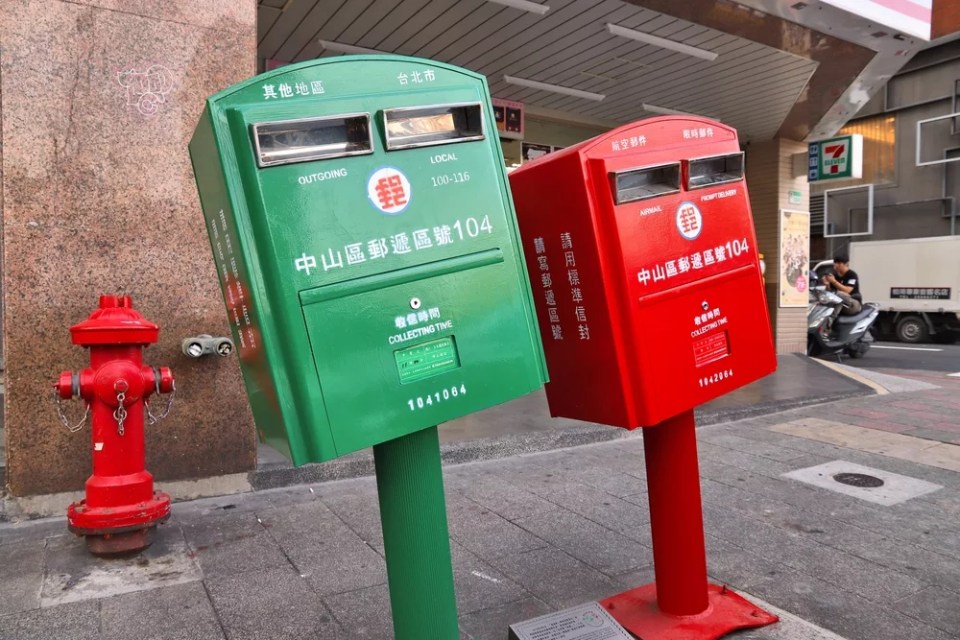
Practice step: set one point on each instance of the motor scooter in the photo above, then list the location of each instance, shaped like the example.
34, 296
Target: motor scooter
829, 335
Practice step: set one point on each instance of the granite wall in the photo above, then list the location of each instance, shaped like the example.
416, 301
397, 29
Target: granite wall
98, 99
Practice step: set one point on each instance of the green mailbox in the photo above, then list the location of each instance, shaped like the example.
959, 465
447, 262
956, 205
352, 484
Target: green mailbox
367, 249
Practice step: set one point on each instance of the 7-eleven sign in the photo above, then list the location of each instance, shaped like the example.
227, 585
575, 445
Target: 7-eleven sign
836, 158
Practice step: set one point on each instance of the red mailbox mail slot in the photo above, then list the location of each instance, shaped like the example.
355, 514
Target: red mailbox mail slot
643, 259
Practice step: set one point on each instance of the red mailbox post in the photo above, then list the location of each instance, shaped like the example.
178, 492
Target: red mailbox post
643, 259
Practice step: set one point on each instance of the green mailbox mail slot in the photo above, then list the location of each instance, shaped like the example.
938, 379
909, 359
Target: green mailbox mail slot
367, 249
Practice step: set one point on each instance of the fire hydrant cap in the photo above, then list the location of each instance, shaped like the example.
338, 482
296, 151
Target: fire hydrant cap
115, 322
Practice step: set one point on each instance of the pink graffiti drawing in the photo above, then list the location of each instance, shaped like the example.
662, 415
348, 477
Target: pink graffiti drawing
146, 90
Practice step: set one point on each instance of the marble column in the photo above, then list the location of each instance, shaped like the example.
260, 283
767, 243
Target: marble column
98, 99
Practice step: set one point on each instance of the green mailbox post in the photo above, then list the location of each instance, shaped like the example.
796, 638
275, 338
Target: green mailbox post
370, 263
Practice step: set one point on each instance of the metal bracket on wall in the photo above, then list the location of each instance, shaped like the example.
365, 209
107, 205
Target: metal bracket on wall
952, 117
829, 228
955, 107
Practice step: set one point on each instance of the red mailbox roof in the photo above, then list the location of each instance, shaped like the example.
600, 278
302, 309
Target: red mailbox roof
115, 322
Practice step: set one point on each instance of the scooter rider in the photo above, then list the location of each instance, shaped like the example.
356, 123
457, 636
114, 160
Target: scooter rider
845, 284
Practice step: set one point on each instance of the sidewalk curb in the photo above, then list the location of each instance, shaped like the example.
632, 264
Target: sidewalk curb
852, 375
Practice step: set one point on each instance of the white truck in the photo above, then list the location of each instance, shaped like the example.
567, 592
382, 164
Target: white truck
916, 282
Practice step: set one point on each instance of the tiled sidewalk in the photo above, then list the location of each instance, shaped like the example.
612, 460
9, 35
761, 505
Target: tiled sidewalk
531, 534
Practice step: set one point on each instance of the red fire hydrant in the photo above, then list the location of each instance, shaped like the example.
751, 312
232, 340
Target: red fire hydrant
121, 508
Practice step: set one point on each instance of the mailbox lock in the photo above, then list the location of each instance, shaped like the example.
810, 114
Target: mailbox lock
705, 305
415, 303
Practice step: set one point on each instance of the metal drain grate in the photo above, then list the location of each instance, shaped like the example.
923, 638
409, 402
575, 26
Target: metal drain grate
861, 480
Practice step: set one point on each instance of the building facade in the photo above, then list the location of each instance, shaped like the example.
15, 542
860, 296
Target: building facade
98, 99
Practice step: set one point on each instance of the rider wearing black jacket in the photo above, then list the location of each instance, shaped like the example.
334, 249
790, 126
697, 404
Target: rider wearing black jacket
846, 284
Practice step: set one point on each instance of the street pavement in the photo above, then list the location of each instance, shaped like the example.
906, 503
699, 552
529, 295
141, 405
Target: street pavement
536, 532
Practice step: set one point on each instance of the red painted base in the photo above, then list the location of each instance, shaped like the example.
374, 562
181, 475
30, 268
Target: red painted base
85, 520
636, 610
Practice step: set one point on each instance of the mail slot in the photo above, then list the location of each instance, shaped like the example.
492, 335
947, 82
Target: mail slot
367, 250
643, 260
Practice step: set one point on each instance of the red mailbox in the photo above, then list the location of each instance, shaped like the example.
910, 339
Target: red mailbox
643, 257
644, 264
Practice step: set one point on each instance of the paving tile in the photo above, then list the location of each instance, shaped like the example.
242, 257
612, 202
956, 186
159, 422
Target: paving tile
492, 623
485, 533
500, 496
888, 444
947, 502
930, 433
807, 499
357, 508
748, 461
31, 530
234, 544
836, 609
863, 577
788, 627
936, 606
72, 574
335, 569
239, 504
908, 522
363, 614
556, 578
314, 523
952, 427
76, 621
323, 549
574, 468
479, 585
181, 612
21, 575
736, 442
217, 527
623, 454
888, 425
540, 472
635, 578
730, 565
628, 516
601, 548
268, 605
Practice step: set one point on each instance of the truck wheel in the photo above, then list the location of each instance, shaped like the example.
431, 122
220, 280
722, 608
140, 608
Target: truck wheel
912, 329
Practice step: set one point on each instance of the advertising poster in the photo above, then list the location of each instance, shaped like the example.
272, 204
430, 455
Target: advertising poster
794, 257
509, 117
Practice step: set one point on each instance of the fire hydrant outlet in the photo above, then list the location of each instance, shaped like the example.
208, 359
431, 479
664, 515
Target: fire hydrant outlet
166, 384
69, 385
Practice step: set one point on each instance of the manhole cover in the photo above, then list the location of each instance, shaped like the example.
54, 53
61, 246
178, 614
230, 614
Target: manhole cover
858, 480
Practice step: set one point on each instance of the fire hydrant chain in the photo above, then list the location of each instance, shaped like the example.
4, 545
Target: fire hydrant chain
121, 413
155, 419
63, 418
